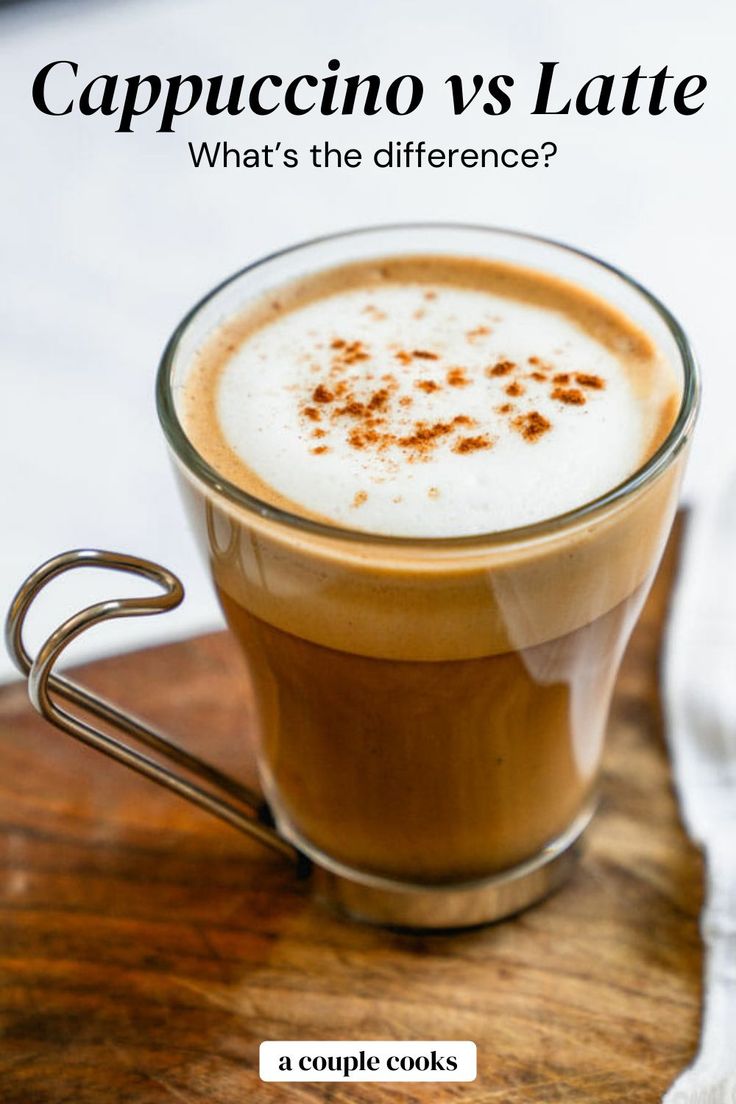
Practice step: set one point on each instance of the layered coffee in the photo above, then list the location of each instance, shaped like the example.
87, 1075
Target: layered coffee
432, 676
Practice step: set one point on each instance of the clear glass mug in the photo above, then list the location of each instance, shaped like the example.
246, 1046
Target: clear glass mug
431, 713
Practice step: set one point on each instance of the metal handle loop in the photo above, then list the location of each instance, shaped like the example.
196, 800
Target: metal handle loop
42, 683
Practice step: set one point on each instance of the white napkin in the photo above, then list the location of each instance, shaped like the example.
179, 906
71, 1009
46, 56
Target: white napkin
700, 704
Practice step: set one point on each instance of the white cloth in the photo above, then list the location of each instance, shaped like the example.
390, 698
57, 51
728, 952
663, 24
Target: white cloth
700, 698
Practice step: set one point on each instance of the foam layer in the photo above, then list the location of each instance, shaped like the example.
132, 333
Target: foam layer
438, 398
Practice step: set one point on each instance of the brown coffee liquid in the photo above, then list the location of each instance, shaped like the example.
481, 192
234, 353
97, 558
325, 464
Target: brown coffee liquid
431, 772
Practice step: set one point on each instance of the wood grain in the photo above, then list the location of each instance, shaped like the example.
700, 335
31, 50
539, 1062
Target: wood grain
146, 950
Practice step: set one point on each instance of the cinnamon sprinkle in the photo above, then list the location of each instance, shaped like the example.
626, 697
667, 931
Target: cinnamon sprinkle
374, 312
424, 436
571, 396
532, 425
501, 368
374, 415
378, 399
472, 444
359, 438
456, 377
405, 356
596, 383
353, 353
353, 409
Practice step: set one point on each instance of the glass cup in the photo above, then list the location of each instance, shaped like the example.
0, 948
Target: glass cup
431, 712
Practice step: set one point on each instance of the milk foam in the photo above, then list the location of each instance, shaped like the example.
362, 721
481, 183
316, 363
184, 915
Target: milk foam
431, 410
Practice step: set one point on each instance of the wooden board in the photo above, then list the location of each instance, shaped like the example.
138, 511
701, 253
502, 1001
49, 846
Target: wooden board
146, 949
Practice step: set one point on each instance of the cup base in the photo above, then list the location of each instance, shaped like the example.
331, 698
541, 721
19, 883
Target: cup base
387, 903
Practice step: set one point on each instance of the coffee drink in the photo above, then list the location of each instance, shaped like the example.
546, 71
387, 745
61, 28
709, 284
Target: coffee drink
431, 609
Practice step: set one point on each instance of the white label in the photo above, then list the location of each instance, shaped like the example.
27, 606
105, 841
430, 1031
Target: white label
369, 1060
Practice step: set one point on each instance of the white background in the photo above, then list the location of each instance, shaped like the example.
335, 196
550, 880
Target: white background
107, 238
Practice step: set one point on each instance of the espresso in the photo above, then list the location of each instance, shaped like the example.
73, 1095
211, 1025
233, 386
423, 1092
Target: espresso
430, 709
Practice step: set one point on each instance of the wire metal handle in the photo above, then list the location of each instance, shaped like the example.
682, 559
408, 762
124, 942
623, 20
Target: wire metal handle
44, 686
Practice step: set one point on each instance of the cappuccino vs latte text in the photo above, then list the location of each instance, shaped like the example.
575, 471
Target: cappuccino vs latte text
61, 89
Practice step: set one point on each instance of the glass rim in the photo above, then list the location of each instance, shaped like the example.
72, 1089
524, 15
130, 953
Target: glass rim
195, 463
